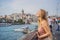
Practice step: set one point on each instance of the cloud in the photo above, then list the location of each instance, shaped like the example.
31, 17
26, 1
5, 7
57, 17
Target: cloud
30, 6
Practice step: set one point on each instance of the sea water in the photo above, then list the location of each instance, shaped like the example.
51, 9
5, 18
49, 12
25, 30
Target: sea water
8, 33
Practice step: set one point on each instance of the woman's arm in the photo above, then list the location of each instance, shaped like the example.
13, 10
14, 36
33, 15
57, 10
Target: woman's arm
43, 36
46, 29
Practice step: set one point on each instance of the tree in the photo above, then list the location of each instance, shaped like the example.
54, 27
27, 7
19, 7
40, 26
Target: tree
20, 21
0, 20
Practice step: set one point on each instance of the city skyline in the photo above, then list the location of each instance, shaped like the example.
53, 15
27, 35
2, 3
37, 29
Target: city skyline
30, 6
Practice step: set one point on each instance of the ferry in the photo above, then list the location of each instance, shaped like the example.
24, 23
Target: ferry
25, 30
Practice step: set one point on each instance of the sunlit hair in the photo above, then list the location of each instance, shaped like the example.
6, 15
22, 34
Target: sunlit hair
43, 14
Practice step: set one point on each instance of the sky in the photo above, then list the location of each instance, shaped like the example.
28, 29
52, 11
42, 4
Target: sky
8, 7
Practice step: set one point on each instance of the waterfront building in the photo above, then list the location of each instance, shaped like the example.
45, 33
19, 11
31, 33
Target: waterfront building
26, 17
1, 16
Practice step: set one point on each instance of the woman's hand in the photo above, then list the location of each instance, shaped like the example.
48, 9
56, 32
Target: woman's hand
38, 35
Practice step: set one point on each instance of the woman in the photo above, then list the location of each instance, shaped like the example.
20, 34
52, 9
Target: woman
44, 32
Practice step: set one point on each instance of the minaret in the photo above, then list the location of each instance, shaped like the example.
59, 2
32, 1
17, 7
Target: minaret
22, 11
22, 14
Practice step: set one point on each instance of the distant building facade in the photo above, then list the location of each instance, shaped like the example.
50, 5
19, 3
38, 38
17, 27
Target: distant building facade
26, 17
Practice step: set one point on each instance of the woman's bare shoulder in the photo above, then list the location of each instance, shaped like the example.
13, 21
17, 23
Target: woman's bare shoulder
44, 23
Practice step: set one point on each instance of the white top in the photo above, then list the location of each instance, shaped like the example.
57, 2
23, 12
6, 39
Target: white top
49, 21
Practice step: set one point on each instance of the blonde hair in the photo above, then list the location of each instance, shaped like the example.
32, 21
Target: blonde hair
43, 13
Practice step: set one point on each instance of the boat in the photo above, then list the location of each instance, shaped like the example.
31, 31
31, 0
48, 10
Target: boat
5, 24
19, 29
34, 23
24, 30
